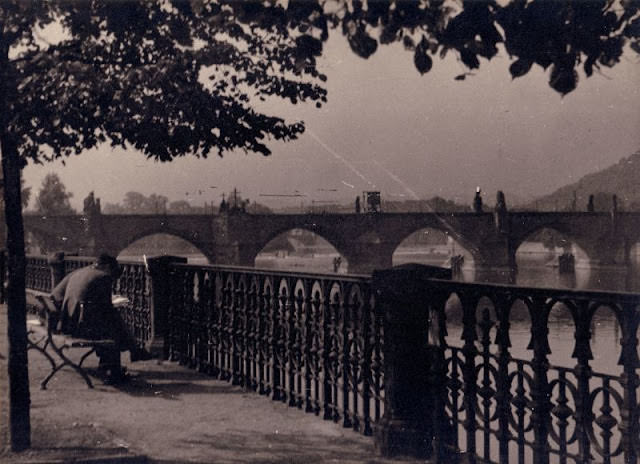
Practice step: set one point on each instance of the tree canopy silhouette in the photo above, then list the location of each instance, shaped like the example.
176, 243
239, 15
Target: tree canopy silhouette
53, 198
558, 34
183, 77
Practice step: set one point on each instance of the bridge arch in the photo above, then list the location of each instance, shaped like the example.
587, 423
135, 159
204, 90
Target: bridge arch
432, 246
301, 249
556, 239
314, 229
170, 235
552, 242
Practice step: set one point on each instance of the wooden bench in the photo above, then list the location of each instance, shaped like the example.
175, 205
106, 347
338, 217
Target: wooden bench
41, 337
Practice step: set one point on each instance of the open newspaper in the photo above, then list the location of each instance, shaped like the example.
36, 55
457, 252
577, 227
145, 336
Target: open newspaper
119, 300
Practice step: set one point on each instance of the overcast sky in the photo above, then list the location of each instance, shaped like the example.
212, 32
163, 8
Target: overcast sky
388, 128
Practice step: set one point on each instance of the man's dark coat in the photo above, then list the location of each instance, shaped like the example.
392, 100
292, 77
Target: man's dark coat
84, 297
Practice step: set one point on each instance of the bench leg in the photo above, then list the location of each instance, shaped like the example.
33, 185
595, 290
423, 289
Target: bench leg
85, 356
67, 362
44, 343
54, 371
42, 349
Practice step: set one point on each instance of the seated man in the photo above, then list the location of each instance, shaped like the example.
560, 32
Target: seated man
86, 311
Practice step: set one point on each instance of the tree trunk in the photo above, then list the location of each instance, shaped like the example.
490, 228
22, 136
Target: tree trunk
18, 369
19, 398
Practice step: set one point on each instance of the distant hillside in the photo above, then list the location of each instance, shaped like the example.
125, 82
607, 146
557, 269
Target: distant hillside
621, 179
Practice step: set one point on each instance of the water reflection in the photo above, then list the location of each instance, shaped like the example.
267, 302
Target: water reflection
531, 274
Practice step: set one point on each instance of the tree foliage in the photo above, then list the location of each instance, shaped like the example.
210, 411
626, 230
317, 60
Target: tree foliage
181, 77
167, 78
180, 207
560, 35
138, 203
53, 198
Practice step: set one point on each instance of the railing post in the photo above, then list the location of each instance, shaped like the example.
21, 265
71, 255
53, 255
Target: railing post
503, 381
582, 371
540, 393
56, 264
405, 428
443, 430
158, 269
629, 379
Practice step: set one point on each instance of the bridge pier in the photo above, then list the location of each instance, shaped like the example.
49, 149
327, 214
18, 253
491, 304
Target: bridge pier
606, 252
499, 255
364, 258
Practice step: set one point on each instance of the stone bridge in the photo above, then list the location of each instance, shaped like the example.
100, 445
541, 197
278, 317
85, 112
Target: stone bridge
367, 240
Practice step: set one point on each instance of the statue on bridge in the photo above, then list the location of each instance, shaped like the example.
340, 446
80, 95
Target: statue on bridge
501, 203
590, 205
502, 223
477, 201
224, 206
91, 205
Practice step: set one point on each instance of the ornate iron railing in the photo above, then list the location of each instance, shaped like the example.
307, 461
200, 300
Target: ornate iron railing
327, 344
312, 341
71, 263
38, 274
135, 284
510, 410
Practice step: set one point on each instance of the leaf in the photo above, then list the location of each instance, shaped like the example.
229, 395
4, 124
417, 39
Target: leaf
469, 58
309, 46
588, 65
389, 34
520, 67
421, 59
362, 44
563, 79
633, 28
183, 7
408, 43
